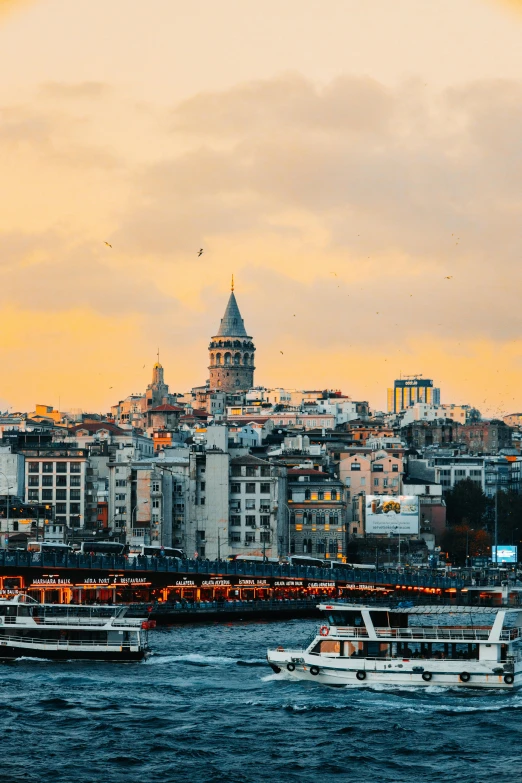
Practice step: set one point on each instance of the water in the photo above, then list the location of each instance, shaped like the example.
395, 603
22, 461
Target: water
206, 708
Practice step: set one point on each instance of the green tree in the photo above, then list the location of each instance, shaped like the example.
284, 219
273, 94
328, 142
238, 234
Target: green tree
466, 504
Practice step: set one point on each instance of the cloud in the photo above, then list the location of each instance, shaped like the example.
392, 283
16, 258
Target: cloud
340, 207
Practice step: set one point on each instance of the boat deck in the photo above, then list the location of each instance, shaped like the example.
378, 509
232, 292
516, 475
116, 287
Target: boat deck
430, 633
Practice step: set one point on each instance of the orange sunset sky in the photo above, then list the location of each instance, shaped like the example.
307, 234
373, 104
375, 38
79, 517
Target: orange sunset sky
341, 158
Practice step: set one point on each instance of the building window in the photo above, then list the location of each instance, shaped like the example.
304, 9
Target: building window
156, 486
250, 505
61, 467
235, 521
155, 503
385, 482
76, 481
251, 471
250, 538
61, 494
235, 488
47, 481
355, 466
265, 472
47, 494
74, 494
202, 501
61, 508
250, 488
377, 468
250, 520
202, 486
61, 481
47, 467
34, 467
120, 496
33, 494
376, 482
235, 538
265, 488
201, 535
119, 482
34, 481
264, 536
74, 508
75, 467
307, 546
334, 494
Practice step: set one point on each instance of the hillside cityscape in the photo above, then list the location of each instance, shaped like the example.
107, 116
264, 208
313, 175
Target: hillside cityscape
231, 468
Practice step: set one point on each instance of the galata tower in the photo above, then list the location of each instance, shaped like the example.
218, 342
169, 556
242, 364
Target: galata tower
231, 352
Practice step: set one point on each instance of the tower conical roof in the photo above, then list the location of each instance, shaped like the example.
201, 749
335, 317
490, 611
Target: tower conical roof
232, 324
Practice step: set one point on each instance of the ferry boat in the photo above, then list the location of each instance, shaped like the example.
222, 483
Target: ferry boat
66, 631
368, 645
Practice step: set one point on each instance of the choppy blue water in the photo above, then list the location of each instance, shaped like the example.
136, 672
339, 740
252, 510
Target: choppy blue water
206, 708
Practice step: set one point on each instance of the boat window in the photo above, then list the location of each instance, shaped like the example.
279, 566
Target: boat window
346, 618
8, 611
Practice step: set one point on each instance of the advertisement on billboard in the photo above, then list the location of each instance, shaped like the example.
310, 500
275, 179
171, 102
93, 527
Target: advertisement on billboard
392, 514
504, 554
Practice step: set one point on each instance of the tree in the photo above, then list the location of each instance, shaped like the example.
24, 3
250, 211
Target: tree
466, 504
509, 511
461, 541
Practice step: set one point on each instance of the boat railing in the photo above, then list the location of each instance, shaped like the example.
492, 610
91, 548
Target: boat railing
131, 622
430, 633
23, 641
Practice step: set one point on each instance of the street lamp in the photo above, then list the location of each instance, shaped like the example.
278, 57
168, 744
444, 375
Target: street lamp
7, 505
399, 533
468, 531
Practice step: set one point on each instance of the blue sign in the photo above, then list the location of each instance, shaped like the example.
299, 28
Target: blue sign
504, 554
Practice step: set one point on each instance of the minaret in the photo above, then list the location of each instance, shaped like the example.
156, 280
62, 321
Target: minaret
231, 352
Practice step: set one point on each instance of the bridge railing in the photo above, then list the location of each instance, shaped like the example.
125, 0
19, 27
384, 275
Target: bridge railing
21, 559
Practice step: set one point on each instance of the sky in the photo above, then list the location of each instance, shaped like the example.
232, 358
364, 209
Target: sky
356, 166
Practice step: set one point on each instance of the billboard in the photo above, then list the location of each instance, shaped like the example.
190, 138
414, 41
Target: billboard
505, 554
392, 514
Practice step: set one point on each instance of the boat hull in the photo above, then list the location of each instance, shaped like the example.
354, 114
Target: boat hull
12, 652
326, 672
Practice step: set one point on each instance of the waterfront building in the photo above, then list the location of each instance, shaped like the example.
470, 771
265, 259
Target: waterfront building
258, 507
317, 507
410, 390
231, 352
372, 473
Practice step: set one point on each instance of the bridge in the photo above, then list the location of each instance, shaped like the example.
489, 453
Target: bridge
158, 569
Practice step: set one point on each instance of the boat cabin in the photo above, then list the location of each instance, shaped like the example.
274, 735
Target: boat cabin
404, 633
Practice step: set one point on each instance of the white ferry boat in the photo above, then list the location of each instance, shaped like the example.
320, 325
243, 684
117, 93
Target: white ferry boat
369, 645
66, 631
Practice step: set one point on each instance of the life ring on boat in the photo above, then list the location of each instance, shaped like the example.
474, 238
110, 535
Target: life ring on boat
290, 667
314, 670
324, 630
426, 676
509, 679
465, 677
360, 675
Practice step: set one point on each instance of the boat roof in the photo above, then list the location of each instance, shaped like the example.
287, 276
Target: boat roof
426, 609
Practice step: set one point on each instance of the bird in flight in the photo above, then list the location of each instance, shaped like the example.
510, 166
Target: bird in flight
200, 252
108, 244
281, 352
110, 387
448, 277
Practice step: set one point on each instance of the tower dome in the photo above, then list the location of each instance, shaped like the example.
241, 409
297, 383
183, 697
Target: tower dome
231, 352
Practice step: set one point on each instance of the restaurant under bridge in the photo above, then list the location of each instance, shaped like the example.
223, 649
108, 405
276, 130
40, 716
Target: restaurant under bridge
91, 579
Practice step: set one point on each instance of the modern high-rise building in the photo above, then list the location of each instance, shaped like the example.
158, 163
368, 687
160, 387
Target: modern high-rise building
409, 390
